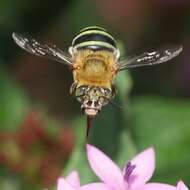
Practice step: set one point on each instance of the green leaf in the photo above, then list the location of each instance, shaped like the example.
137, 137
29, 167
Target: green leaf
163, 123
13, 103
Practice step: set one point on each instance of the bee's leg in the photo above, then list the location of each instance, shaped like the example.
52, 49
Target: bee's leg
73, 88
114, 90
82, 110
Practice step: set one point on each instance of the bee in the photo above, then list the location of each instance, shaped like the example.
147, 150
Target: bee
94, 59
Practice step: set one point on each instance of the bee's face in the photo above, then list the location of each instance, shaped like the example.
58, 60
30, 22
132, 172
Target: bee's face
93, 98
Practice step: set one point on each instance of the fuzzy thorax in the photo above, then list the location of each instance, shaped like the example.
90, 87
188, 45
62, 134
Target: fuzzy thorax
94, 68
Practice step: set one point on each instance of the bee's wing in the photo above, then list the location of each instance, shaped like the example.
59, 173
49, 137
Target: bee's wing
42, 50
150, 58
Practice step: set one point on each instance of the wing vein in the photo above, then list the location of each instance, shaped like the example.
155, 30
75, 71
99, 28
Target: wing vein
43, 50
150, 58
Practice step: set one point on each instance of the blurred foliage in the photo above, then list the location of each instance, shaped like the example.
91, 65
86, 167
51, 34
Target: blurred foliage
165, 123
42, 132
13, 103
31, 148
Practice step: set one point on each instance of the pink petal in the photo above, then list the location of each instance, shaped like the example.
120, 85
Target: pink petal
181, 186
62, 184
157, 186
145, 165
105, 168
95, 186
73, 179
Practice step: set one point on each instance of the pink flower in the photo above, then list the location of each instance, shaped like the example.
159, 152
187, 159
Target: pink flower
134, 175
159, 186
181, 186
72, 182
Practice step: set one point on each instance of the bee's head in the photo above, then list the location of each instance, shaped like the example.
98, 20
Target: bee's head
92, 98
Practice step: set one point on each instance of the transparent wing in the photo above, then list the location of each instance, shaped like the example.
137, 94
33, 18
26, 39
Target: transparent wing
150, 58
42, 50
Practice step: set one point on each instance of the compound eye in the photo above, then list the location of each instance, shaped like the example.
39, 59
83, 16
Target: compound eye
107, 93
80, 91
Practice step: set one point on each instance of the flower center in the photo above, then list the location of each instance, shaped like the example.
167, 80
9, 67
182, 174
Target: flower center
128, 171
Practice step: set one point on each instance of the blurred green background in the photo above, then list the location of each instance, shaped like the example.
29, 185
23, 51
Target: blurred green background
42, 130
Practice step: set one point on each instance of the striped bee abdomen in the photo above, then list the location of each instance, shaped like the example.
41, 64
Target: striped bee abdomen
95, 38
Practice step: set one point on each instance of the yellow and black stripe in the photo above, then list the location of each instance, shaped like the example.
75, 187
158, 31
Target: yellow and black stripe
95, 38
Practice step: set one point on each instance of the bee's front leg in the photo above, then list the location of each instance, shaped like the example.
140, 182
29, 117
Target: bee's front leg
114, 90
73, 88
